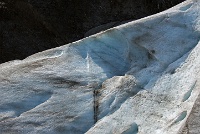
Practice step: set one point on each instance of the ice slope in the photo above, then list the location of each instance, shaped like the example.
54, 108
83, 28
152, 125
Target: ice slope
140, 77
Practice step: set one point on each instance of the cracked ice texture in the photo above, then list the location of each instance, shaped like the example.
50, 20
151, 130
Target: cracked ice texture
140, 77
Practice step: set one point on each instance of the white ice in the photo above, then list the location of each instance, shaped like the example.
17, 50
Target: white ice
140, 77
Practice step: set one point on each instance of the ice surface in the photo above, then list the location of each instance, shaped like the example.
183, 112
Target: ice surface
140, 77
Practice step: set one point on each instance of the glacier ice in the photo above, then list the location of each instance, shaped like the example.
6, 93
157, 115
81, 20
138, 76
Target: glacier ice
140, 77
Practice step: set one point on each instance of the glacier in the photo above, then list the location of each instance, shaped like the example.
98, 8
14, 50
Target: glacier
137, 78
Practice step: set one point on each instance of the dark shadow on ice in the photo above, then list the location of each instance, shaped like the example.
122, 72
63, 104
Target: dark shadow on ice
142, 50
110, 51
